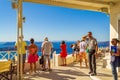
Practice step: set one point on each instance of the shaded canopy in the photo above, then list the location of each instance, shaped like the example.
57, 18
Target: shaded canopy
94, 5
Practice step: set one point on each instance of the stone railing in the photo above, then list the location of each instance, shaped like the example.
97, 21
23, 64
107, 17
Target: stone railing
55, 61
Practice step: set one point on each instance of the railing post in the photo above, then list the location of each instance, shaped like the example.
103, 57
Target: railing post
8, 52
53, 60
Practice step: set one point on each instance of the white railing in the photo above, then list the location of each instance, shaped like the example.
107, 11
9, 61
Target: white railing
7, 55
54, 59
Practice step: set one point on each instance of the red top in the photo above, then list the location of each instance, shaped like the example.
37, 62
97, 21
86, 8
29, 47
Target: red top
63, 52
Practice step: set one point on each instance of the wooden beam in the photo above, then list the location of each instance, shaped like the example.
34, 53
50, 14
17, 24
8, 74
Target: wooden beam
77, 4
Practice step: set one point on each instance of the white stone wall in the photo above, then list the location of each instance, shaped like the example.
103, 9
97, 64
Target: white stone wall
114, 16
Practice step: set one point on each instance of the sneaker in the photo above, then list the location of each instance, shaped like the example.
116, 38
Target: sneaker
24, 72
44, 70
50, 69
93, 74
89, 72
28, 73
62, 65
65, 64
32, 73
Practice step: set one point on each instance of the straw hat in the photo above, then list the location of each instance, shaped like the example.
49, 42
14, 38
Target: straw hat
84, 37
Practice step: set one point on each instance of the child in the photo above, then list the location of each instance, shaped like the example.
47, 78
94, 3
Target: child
115, 55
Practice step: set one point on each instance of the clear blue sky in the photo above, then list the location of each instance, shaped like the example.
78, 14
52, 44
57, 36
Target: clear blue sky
57, 23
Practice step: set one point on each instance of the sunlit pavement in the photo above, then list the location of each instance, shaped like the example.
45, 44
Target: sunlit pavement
71, 72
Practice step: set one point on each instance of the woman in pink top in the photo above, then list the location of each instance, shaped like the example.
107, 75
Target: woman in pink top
63, 53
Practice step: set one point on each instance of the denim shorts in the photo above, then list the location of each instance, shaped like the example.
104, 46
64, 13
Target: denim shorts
116, 62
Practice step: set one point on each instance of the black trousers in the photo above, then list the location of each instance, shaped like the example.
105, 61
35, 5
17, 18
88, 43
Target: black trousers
92, 61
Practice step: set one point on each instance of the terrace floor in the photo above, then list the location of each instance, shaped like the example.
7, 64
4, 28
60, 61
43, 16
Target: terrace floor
72, 72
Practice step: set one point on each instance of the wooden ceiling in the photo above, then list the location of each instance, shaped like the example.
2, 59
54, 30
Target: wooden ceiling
94, 5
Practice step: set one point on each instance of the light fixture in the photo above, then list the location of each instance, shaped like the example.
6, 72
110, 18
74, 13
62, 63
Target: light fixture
24, 19
111, 3
104, 9
14, 4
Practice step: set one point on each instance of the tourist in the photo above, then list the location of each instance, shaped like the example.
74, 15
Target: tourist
72, 47
46, 52
83, 46
76, 50
92, 49
86, 41
73, 52
33, 56
63, 53
23, 52
115, 57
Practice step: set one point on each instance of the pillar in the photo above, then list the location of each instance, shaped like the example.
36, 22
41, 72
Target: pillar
115, 22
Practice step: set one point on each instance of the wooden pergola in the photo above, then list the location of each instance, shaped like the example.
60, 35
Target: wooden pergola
93, 5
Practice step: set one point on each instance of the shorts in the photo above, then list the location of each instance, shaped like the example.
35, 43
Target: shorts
83, 55
76, 52
33, 58
23, 58
46, 57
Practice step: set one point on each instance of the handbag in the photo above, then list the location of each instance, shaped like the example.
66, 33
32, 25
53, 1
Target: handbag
41, 60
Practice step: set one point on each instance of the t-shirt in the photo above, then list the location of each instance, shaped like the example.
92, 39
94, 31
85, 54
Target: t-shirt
24, 44
33, 49
92, 43
47, 47
83, 46
114, 49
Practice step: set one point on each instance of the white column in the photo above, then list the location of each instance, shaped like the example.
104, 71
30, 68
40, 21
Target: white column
114, 17
118, 33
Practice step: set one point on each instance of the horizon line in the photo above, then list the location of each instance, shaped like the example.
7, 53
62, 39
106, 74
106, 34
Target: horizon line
53, 41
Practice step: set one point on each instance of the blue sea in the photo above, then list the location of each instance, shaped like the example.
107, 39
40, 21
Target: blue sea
9, 46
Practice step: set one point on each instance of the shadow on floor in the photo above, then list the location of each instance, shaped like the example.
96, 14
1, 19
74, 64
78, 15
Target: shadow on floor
57, 74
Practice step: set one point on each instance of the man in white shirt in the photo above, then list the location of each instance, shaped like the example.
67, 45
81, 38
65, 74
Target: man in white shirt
83, 46
92, 52
46, 51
